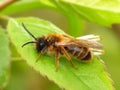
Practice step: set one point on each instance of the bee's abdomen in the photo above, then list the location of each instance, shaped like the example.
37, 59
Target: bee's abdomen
81, 53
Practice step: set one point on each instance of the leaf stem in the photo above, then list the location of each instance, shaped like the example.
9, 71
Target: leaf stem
17, 59
4, 17
75, 23
5, 3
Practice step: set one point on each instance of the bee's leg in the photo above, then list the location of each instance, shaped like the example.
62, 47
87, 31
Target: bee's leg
67, 56
57, 56
41, 53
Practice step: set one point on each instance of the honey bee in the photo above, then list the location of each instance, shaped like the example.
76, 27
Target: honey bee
83, 47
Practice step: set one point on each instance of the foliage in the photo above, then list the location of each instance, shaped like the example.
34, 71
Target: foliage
4, 59
89, 76
85, 77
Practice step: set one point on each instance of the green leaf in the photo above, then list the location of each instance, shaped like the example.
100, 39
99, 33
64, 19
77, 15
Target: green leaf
4, 59
75, 23
102, 12
88, 76
23, 5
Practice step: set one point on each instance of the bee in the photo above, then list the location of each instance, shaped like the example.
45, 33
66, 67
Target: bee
83, 47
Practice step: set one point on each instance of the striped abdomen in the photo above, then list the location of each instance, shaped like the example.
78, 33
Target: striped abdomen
82, 53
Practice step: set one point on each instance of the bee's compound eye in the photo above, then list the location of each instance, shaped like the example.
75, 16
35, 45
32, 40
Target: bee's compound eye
41, 44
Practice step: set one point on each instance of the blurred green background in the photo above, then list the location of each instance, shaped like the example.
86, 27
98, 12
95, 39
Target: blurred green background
24, 77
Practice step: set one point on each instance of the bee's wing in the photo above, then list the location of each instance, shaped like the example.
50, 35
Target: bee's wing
92, 44
73, 42
83, 43
91, 37
91, 41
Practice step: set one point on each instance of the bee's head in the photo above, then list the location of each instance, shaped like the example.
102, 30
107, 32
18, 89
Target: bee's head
41, 43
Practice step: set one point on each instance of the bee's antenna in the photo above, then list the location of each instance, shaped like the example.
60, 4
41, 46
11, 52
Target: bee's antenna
27, 43
28, 31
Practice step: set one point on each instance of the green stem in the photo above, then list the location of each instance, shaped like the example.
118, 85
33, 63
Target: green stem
17, 59
74, 21
4, 17
75, 24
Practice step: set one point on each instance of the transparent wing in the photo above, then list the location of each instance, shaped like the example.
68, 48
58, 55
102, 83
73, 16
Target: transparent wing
91, 37
92, 41
89, 41
72, 43
95, 51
